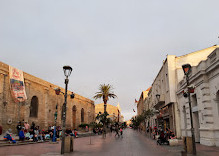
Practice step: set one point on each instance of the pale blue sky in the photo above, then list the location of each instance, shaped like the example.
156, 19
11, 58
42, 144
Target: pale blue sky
120, 42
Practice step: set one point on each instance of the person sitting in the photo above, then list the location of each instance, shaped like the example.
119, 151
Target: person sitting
40, 137
27, 136
21, 134
8, 136
47, 135
75, 133
172, 135
31, 134
68, 132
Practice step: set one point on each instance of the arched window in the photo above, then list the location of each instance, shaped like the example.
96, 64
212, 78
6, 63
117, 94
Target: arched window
82, 115
34, 107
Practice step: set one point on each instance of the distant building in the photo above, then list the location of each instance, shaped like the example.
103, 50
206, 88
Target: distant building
40, 102
140, 103
204, 101
141, 107
113, 111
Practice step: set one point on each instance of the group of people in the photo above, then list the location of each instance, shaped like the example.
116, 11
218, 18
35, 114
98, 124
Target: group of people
98, 131
70, 132
164, 135
118, 129
32, 132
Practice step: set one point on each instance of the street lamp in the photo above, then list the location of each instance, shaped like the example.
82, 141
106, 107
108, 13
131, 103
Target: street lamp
187, 70
67, 72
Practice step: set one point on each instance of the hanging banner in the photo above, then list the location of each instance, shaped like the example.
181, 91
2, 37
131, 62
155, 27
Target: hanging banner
17, 84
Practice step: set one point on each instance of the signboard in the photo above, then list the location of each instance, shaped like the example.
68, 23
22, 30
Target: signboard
17, 84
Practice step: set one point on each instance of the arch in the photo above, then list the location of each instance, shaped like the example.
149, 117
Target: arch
82, 115
34, 107
74, 109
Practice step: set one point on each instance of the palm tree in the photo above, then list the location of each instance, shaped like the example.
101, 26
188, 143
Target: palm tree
105, 92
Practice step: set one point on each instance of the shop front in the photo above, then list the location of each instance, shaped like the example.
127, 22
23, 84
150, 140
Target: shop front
165, 117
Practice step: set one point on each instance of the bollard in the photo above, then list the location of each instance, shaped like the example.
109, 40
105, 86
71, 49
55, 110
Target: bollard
69, 143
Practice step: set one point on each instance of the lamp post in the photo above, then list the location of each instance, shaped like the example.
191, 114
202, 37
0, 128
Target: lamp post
67, 72
187, 69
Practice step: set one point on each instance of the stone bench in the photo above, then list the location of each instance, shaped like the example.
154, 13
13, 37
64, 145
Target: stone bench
175, 142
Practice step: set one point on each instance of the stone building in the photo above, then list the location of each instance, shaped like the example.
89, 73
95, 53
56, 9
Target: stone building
204, 101
140, 102
141, 107
113, 111
40, 105
162, 95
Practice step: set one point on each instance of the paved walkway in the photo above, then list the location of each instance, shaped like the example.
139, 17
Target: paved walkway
132, 143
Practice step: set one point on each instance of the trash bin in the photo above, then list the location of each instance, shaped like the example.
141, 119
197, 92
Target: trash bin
189, 146
69, 144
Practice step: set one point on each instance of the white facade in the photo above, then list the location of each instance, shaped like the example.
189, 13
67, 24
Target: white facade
205, 101
165, 85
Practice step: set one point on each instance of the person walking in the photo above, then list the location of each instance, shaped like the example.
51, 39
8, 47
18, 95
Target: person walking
121, 131
117, 130
111, 128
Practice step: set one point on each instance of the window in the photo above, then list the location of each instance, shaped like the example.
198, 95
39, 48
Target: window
217, 101
34, 107
82, 115
194, 100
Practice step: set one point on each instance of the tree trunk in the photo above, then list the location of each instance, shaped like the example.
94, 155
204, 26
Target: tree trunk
105, 104
104, 123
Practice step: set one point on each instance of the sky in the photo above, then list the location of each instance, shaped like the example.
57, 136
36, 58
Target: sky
118, 42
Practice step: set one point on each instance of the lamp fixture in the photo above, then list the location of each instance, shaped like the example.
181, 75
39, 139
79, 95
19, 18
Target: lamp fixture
67, 70
186, 68
158, 97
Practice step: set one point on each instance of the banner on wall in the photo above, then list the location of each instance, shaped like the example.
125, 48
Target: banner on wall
16, 79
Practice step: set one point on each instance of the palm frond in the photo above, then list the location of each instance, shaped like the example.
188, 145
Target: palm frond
105, 92
98, 96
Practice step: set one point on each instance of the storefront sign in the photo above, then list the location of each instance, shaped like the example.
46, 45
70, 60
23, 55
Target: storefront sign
17, 84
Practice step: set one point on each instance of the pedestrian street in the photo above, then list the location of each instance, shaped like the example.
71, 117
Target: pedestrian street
132, 143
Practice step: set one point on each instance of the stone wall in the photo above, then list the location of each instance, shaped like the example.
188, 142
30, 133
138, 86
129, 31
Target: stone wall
47, 101
111, 110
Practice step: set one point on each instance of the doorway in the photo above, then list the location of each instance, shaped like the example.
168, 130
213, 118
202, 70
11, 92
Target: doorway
74, 111
196, 126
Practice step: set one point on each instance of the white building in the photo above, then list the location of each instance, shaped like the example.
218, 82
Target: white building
204, 100
162, 95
